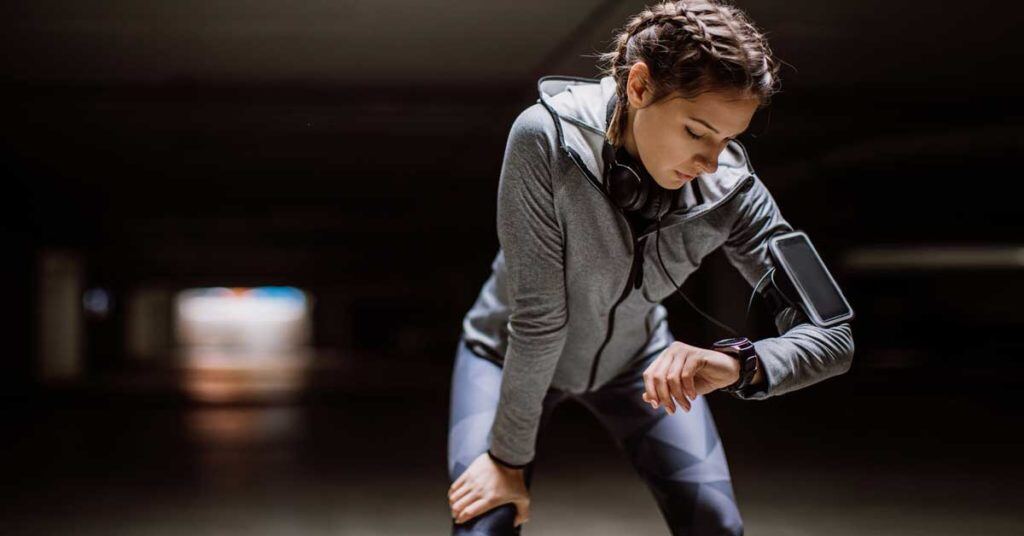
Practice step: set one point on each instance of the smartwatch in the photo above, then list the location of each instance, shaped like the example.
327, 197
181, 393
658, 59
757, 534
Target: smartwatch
743, 351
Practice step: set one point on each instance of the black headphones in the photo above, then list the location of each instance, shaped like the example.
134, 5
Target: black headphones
628, 183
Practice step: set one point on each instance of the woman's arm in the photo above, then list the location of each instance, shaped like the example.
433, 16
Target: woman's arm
532, 243
803, 353
531, 239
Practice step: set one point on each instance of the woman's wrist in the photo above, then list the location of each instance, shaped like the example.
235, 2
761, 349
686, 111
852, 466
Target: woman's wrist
503, 464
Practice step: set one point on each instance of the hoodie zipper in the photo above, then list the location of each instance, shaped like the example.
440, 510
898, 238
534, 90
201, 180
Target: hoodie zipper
633, 281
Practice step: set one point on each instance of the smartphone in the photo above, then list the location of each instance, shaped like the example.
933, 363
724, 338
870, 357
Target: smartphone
805, 275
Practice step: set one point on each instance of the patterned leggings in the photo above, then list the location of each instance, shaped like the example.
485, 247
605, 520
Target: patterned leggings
680, 456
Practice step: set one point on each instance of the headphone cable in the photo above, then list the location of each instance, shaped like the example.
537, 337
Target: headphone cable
757, 288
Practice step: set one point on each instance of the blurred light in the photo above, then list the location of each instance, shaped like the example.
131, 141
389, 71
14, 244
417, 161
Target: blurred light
244, 344
261, 318
96, 302
235, 426
218, 376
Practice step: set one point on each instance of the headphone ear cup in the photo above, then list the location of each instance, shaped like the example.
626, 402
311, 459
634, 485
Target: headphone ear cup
659, 204
625, 188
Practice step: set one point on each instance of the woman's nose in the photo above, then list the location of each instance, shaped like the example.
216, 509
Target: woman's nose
707, 165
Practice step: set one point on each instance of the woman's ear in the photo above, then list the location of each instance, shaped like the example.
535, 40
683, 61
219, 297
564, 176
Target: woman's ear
638, 88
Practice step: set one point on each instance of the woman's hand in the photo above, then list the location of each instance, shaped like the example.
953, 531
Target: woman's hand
683, 372
485, 485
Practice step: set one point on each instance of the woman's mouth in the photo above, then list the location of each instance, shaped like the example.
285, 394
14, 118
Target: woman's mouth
683, 176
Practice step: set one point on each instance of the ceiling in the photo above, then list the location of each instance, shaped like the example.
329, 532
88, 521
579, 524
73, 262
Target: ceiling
895, 45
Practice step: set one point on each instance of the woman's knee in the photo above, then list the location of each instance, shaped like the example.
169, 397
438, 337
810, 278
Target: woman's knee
704, 510
474, 400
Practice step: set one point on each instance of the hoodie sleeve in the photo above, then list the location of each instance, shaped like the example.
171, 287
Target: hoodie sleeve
803, 353
532, 240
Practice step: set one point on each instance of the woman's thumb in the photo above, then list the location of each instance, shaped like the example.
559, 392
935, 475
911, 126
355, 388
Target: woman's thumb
522, 513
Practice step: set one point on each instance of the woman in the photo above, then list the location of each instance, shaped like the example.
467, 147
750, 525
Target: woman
572, 308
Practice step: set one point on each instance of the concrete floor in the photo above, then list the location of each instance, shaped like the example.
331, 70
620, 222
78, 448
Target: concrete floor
835, 459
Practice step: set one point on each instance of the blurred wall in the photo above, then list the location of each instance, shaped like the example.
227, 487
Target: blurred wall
352, 149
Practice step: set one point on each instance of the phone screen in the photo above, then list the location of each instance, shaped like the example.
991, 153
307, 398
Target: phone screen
812, 280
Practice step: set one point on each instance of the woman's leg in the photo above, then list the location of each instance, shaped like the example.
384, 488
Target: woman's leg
680, 456
476, 384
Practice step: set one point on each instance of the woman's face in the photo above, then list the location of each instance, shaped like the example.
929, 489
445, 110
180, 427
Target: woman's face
677, 138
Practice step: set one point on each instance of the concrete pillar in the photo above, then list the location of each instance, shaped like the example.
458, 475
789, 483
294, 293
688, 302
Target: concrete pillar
149, 323
60, 323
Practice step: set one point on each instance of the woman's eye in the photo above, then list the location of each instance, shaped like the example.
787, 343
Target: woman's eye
692, 134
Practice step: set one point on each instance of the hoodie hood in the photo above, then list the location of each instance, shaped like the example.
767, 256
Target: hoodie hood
579, 106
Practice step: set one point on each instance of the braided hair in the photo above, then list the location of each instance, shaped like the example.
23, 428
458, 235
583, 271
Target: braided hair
690, 47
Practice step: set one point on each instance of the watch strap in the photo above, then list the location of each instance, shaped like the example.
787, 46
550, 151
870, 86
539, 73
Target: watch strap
743, 351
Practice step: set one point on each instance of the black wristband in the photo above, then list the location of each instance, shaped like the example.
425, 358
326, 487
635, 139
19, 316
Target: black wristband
501, 462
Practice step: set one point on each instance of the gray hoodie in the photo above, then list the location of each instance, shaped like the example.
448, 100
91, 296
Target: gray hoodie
562, 307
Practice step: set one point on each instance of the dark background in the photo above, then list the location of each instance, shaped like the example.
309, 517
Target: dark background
352, 149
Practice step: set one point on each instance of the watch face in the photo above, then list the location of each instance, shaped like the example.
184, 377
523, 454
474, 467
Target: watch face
736, 341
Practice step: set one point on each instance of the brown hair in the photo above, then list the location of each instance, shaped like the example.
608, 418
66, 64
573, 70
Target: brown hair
691, 46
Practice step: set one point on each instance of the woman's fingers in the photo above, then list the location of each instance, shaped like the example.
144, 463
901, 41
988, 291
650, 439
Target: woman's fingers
458, 494
665, 380
651, 379
649, 389
664, 396
661, 383
459, 508
474, 509
458, 483
673, 378
675, 385
690, 368
456, 486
